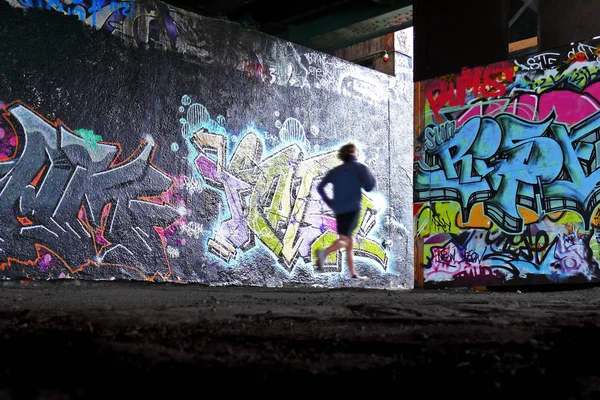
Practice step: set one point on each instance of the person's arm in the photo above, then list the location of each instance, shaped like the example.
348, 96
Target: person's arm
321, 189
369, 182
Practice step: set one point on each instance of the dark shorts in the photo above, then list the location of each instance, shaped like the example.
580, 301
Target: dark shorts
347, 223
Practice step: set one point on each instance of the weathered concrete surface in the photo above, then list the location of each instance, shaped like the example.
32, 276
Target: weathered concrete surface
281, 108
70, 340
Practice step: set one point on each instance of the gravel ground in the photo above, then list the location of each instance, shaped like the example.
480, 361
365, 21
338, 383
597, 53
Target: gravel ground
71, 340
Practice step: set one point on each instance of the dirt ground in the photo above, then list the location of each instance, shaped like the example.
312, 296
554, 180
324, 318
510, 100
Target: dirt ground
72, 340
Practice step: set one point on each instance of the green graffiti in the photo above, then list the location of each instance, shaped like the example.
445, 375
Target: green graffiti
577, 75
324, 241
90, 138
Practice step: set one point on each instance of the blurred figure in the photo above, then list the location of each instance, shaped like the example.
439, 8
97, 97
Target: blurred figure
348, 179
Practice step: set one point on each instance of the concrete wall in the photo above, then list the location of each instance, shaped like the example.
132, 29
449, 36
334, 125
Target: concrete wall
506, 171
143, 142
370, 53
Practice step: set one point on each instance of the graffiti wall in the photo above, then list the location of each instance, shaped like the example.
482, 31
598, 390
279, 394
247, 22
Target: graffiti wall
507, 184
139, 141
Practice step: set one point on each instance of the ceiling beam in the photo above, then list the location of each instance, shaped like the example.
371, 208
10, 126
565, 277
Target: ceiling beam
526, 3
350, 25
362, 31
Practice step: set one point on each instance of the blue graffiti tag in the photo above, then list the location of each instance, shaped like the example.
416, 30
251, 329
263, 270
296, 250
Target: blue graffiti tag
505, 162
85, 11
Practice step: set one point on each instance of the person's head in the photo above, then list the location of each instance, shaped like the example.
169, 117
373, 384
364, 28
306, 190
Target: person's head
348, 152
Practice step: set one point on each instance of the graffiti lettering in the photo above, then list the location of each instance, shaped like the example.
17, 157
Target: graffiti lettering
522, 247
173, 252
254, 70
192, 185
560, 59
510, 185
153, 24
273, 199
140, 23
480, 82
360, 89
452, 261
193, 229
75, 201
316, 58
583, 52
579, 75
321, 69
96, 12
505, 162
439, 134
542, 61
475, 272
440, 221
510, 256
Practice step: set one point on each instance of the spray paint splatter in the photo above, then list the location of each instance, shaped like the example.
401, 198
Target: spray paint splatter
46, 262
90, 138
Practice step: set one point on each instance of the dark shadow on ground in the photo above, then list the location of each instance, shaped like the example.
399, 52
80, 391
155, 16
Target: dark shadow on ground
134, 340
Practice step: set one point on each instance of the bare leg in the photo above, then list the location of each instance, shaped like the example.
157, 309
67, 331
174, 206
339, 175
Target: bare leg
339, 244
350, 254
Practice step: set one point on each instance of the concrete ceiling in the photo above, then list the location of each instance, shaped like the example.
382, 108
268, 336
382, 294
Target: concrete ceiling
318, 24
329, 25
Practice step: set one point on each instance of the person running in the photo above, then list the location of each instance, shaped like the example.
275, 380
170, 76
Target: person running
348, 179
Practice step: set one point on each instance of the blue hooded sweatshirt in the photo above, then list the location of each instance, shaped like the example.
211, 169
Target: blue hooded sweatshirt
348, 179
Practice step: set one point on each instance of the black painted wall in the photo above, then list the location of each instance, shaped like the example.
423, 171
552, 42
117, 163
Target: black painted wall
452, 35
563, 22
